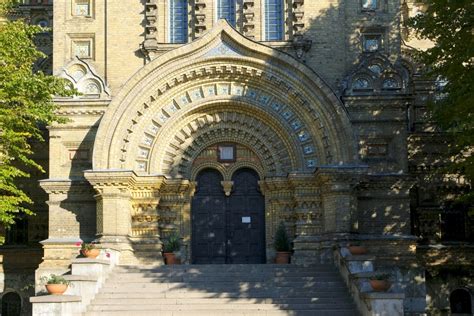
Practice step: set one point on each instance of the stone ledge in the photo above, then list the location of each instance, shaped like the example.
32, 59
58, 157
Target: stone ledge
90, 261
55, 299
86, 278
382, 296
359, 258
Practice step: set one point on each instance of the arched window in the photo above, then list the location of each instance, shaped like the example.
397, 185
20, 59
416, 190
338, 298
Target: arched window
273, 26
460, 302
178, 21
11, 304
226, 10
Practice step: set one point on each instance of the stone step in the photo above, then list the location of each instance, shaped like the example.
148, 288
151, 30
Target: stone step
326, 312
123, 278
224, 283
219, 300
244, 290
332, 293
210, 307
228, 267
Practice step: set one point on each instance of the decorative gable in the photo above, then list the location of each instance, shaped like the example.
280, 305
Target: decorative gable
375, 74
85, 79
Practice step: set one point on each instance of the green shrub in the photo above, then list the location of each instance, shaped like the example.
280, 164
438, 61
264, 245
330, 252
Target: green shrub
55, 279
282, 242
172, 243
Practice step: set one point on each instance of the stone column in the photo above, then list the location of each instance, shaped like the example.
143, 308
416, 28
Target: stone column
114, 209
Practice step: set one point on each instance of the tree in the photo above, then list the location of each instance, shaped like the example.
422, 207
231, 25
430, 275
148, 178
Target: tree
449, 24
25, 106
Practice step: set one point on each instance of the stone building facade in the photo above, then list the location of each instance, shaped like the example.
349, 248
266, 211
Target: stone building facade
186, 112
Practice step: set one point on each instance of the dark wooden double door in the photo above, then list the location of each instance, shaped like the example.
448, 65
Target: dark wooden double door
228, 229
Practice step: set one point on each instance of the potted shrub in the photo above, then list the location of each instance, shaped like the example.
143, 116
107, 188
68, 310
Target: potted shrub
356, 249
282, 245
171, 245
89, 250
55, 284
379, 282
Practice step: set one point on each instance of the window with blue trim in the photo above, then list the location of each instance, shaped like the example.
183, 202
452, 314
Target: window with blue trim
273, 20
226, 10
178, 21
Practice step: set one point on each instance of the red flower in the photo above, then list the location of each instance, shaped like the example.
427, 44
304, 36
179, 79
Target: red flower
107, 255
78, 244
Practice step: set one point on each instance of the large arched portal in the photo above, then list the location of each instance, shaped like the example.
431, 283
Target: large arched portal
159, 132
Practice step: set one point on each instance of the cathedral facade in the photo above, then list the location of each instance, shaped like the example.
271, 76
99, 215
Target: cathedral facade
218, 120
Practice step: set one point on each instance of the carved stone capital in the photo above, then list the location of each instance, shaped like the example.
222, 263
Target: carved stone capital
227, 186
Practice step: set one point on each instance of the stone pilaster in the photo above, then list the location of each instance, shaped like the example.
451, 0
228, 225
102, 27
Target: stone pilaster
114, 208
339, 197
279, 208
69, 208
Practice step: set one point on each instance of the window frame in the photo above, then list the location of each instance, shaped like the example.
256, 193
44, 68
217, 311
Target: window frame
377, 6
264, 21
170, 31
216, 9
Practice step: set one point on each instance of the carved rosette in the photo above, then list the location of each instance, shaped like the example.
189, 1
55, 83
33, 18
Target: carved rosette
248, 26
150, 45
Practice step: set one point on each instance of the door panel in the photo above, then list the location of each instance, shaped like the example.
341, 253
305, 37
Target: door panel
246, 206
208, 219
228, 229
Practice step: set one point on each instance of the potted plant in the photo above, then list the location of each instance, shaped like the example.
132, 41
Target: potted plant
357, 249
379, 282
282, 245
171, 245
89, 250
55, 284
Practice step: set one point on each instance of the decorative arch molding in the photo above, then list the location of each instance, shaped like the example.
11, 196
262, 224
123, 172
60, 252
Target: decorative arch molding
227, 173
211, 125
240, 72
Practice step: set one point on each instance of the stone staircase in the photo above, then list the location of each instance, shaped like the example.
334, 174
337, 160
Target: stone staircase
208, 290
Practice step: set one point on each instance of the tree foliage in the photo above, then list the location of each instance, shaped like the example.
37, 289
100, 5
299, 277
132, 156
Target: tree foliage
449, 24
25, 105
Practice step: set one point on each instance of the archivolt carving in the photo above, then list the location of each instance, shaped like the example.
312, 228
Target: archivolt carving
271, 145
170, 86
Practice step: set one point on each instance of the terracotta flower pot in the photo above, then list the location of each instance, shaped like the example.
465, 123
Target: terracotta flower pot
91, 254
170, 258
380, 285
56, 289
282, 257
357, 250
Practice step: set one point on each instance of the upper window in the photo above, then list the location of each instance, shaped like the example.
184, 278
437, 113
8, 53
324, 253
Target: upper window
371, 42
82, 8
273, 20
369, 4
178, 21
226, 10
